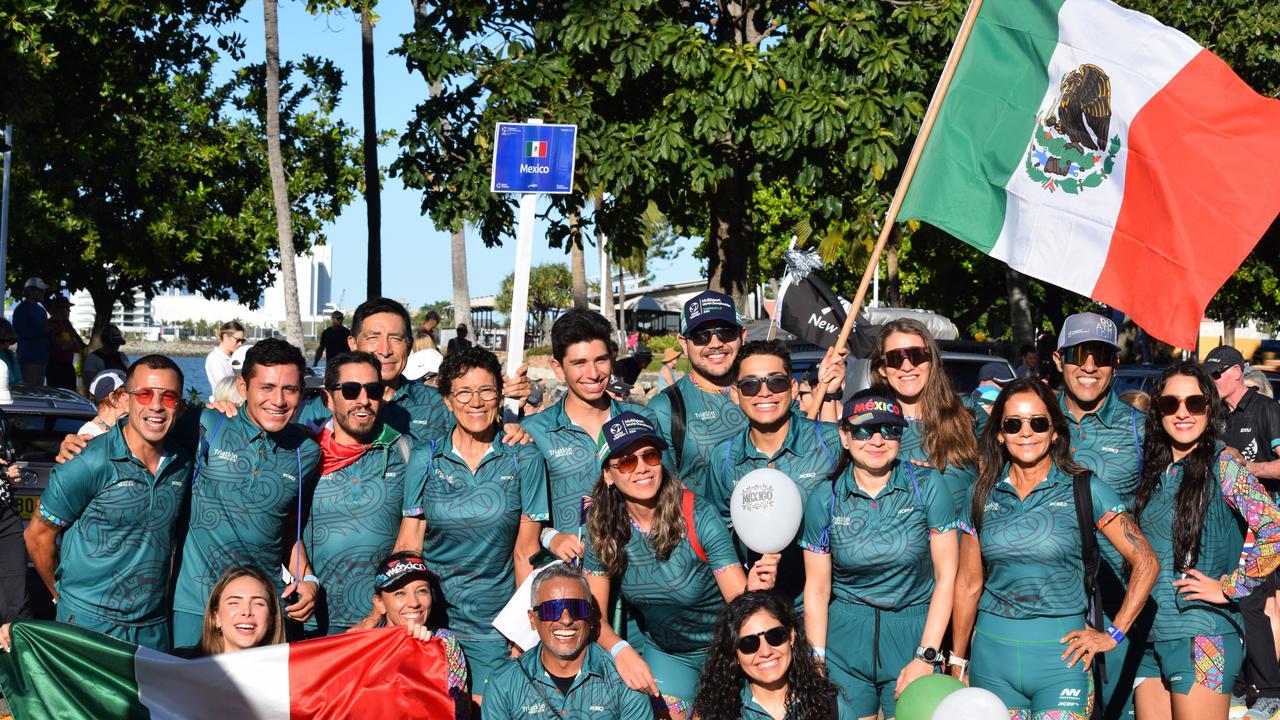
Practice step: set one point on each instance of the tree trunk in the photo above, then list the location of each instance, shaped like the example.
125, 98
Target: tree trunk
461, 289
606, 274
577, 262
279, 191
893, 286
729, 238
372, 182
1228, 333
622, 303
1019, 308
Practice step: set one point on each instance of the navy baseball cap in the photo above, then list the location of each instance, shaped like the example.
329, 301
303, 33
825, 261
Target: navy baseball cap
1222, 358
871, 407
1087, 327
623, 429
706, 307
996, 372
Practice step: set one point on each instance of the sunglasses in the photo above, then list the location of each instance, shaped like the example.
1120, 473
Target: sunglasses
146, 395
864, 432
777, 383
351, 390
1012, 425
1102, 353
629, 463
551, 610
1196, 404
917, 355
776, 637
1215, 374
725, 334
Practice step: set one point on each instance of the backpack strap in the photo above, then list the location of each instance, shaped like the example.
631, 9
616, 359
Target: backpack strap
686, 509
1137, 440
915, 484
822, 443
672, 393
1092, 559
205, 444
726, 465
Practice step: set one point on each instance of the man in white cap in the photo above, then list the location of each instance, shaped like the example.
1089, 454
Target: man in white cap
31, 323
422, 366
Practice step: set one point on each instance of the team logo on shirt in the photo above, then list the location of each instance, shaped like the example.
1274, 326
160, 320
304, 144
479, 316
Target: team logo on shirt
705, 415
561, 452
226, 455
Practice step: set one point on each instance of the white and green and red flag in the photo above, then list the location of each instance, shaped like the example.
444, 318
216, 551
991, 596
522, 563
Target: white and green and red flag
63, 672
1093, 148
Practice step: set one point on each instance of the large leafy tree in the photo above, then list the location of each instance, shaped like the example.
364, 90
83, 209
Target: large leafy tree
549, 290
135, 170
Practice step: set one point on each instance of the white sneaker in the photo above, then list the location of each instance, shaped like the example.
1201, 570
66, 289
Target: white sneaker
1264, 708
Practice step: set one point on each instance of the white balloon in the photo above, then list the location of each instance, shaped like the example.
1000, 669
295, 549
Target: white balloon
766, 508
971, 703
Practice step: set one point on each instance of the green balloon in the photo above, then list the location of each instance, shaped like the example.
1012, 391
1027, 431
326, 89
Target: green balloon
921, 697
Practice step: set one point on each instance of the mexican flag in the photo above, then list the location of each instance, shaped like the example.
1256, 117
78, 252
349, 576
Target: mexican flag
63, 672
1093, 148
535, 148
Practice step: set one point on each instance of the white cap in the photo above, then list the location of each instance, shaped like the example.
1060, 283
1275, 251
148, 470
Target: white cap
105, 383
422, 363
35, 282
237, 357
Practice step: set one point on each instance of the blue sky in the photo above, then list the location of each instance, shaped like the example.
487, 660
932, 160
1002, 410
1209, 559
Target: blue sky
415, 255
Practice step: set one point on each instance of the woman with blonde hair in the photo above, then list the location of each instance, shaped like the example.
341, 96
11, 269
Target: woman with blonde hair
243, 612
907, 364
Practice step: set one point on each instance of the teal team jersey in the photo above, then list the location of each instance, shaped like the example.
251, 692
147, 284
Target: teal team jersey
1221, 542
570, 455
472, 522
710, 418
353, 523
523, 690
118, 524
879, 546
1108, 441
957, 479
414, 410
808, 456
245, 487
676, 600
1031, 547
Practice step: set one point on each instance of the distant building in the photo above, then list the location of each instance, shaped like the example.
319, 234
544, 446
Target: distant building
130, 320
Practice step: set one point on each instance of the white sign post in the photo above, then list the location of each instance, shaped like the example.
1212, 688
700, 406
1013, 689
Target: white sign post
528, 158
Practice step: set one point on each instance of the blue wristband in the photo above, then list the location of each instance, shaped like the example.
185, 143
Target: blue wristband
1115, 634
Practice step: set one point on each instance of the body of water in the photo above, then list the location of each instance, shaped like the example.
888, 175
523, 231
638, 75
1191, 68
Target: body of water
193, 371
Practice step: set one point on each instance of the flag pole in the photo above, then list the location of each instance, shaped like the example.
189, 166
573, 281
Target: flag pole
913, 160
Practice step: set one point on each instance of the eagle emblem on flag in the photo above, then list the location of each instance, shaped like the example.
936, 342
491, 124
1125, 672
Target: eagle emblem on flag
1069, 149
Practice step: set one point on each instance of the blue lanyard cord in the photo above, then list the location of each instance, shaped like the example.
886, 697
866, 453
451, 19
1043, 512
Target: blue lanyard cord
297, 545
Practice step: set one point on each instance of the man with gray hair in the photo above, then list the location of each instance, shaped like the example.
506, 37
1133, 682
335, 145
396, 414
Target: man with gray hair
566, 675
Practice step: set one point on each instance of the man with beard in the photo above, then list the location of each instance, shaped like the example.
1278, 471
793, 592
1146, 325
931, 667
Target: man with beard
1106, 438
566, 432
566, 675
697, 414
360, 498
128, 486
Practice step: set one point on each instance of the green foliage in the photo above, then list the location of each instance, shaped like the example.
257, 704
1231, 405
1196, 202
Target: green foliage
443, 307
659, 343
550, 289
133, 169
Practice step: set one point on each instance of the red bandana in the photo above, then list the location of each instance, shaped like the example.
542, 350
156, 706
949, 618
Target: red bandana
334, 455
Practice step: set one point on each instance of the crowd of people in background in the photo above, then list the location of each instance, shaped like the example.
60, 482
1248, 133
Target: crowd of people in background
1064, 548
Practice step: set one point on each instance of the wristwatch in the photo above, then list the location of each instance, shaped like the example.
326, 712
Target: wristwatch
929, 655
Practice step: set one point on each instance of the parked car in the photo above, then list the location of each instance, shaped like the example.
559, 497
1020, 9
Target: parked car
1136, 377
961, 368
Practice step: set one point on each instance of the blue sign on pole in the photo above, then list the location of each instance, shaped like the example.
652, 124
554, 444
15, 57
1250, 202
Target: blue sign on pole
533, 158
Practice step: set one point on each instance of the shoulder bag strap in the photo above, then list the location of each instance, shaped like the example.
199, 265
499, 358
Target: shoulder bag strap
677, 422
686, 509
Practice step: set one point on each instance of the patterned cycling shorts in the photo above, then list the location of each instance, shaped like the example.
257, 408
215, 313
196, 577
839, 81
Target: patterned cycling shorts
1210, 661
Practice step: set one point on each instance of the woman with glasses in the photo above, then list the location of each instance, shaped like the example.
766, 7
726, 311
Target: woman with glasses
672, 559
1020, 598
217, 364
880, 562
1194, 501
907, 365
760, 666
483, 503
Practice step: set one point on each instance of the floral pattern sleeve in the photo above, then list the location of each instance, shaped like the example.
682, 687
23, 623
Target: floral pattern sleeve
1247, 497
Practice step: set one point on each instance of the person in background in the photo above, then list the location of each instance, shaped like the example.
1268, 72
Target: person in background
533, 404
760, 666
243, 612
460, 342
10, 359
423, 366
1030, 365
619, 390
14, 600
217, 364
426, 339
65, 345
566, 675
107, 392
629, 368
228, 390
667, 374
1140, 400
992, 377
333, 341
31, 326
107, 357
1255, 378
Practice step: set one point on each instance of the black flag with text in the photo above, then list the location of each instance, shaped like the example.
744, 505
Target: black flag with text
812, 311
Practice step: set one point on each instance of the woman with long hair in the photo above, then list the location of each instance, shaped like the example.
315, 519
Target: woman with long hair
760, 666
243, 612
880, 557
907, 364
1194, 501
1020, 594
672, 559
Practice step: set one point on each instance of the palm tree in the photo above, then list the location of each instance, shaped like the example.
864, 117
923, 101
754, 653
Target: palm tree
279, 190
